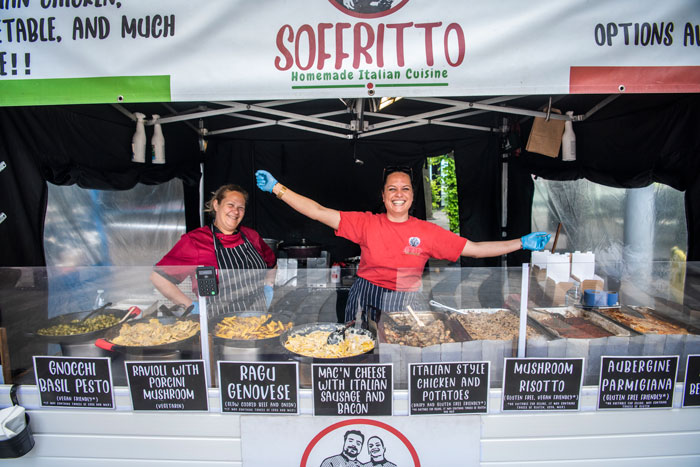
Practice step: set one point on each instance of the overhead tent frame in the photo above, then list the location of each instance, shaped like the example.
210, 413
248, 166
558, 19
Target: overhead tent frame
357, 127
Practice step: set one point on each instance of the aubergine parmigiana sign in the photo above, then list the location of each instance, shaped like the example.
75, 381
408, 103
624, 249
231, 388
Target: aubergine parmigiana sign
109, 51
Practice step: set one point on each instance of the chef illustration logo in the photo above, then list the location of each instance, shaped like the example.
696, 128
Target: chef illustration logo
368, 8
413, 247
359, 443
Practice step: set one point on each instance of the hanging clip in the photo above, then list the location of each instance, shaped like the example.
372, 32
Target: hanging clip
549, 109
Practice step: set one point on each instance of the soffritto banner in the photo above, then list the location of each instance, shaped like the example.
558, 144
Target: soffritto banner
102, 51
330, 441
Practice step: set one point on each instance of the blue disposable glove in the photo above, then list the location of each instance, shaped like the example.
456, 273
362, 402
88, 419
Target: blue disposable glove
535, 240
265, 180
269, 293
195, 308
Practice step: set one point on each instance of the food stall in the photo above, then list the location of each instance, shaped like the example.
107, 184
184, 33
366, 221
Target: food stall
162, 401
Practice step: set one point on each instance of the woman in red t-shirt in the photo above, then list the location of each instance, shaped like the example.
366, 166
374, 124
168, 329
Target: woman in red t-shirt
394, 245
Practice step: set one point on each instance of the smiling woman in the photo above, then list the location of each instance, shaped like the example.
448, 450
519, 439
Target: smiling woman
395, 246
244, 261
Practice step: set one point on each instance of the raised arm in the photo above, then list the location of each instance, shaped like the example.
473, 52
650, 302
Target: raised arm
531, 241
299, 203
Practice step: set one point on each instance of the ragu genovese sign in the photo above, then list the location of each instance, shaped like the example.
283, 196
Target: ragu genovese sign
354, 52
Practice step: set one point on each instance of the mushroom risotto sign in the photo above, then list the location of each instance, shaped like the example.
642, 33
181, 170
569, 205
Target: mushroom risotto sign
324, 441
108, 51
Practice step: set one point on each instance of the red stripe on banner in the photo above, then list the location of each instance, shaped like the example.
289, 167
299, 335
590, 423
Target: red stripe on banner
633, 79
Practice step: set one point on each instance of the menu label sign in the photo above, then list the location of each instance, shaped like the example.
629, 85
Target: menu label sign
637, 382
167, 385
351, 390
542, 384
448, 388
691, 389
74, 382
269, 387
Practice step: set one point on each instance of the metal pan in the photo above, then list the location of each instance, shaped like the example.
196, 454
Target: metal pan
246, 343
76, 338
416, 336
188, 343
330, 327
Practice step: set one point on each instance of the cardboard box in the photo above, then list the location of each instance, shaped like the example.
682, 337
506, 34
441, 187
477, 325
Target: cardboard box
539, 273
592, 284
555, 292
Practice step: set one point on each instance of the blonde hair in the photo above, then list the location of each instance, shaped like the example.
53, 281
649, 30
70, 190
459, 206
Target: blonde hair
220, 194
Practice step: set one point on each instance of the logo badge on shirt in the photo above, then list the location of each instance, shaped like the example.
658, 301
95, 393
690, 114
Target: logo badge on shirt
412, 247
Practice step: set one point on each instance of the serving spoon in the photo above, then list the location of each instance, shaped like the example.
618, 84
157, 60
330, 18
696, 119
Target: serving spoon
95, 311
337, 336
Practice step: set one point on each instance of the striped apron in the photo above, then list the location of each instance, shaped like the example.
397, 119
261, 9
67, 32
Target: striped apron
365, 296
241, 274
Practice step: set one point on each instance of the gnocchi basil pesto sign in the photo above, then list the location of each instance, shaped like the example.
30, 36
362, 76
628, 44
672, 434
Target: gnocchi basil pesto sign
637, 382
74, 382
167, 385
542, 383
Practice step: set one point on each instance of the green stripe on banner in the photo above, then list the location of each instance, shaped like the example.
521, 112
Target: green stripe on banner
110, 89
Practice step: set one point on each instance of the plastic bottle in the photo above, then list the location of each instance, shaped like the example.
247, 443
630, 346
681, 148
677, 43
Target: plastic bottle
100, 299
335, 273
157, 142
568, 140
138, 142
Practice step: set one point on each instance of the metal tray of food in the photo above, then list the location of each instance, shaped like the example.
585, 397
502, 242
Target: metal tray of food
645, 320
401, 328
497, 324
577, 323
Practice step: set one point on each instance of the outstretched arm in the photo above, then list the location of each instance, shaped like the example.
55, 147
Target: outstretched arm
531, 241
299, 203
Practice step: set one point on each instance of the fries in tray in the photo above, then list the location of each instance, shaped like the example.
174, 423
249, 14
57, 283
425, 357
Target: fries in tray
249, 328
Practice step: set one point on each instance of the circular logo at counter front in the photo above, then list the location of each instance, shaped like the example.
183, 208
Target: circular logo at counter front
368, 8
361, 440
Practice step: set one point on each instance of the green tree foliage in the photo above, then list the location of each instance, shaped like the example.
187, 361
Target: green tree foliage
444, 188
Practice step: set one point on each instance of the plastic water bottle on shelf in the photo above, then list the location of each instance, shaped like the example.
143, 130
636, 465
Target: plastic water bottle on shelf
100, 299
335, 273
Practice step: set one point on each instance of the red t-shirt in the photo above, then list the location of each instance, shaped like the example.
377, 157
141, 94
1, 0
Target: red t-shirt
394, 253
196, 248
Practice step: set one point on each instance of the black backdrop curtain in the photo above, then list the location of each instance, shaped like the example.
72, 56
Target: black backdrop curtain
325, 171
634, 141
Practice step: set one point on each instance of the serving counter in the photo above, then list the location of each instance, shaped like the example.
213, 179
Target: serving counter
484, 332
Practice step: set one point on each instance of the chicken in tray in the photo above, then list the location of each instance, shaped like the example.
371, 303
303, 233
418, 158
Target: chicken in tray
432, 333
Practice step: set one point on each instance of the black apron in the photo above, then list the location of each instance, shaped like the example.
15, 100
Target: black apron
371, 298
241, 274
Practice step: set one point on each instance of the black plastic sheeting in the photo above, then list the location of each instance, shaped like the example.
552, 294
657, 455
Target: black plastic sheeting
634, 141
